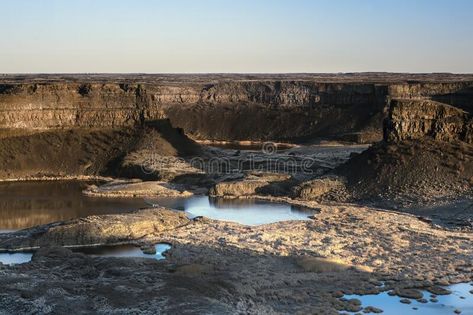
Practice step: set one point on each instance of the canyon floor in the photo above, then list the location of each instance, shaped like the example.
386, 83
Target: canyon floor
383, 162
217, 267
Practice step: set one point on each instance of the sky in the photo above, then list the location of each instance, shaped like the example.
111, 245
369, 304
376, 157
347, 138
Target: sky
237, 36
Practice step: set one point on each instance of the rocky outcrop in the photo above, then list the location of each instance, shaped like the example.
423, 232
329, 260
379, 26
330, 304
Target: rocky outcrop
425, 160
136, 188
237, 188
458, 94
319, 188
66, 105
252, 184
417, 119
96, 230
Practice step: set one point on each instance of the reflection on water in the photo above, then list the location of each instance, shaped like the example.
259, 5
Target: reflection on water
26, 204
102, 251
15, 258
243, 211
250, 146
461, 299
124, 251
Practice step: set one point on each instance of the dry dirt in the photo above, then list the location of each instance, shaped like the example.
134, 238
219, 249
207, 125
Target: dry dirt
92, 152
62, 153
411, 174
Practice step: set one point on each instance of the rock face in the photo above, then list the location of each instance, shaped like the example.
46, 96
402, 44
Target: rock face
413, 119
220, 111
222, 108
237, 188
67, 105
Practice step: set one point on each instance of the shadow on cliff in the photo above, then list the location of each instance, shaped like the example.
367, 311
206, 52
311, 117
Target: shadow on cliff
462, 99
62, 152
75, 152
167, 140
158, 143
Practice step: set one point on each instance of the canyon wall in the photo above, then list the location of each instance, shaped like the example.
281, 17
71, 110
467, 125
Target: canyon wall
221, 109
418, 119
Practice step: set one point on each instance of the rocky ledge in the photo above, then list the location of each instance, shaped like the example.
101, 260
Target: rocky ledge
416, 120
95, 230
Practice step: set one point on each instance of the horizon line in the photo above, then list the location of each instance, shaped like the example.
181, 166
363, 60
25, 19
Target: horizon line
235, 73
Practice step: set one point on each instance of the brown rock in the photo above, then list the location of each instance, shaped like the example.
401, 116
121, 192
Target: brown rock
409, 293
149, 250
437, 290
318, 187
372, 309
417, 119
237, 188
104, 229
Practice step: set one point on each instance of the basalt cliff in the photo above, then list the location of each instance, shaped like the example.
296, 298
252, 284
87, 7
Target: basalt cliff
425, 158
59, 125
225, 107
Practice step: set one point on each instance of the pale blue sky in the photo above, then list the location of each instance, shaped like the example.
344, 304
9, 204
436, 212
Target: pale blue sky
158, 36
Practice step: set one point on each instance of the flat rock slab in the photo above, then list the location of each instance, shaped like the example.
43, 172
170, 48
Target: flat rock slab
137, 189
94, 230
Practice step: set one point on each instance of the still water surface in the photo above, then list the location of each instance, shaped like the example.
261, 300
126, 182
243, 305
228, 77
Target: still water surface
15, 258
125, 251
26, 204
243, 211
99, 251
461, 299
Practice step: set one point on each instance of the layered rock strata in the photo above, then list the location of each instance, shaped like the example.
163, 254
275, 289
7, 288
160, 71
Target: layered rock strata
229, 108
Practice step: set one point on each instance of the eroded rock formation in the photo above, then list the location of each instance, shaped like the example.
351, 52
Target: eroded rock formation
278, 107
425, 160
413, 119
